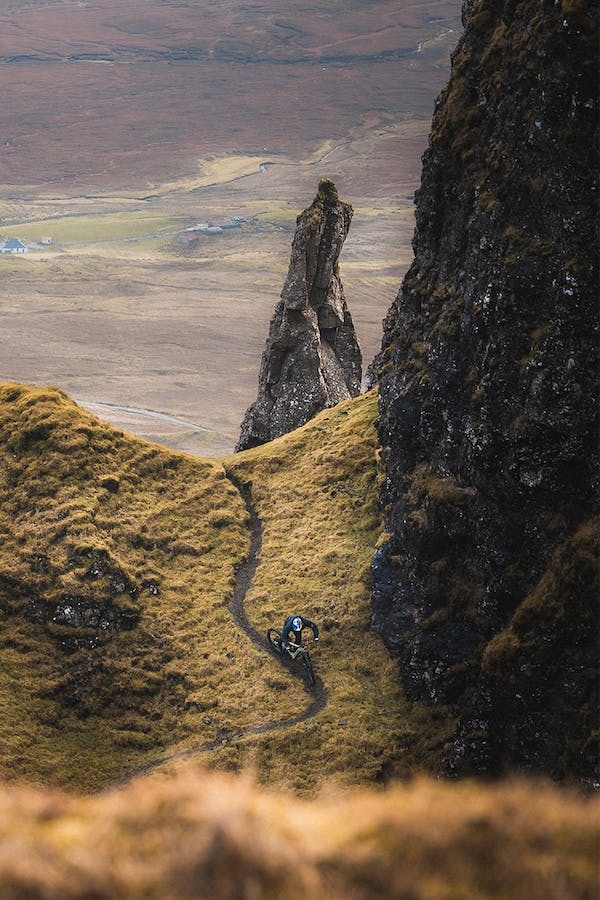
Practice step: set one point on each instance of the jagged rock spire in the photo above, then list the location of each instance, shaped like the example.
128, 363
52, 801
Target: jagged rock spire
312, 359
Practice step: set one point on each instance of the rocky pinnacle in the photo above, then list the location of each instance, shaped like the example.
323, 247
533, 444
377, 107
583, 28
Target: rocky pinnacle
312, 359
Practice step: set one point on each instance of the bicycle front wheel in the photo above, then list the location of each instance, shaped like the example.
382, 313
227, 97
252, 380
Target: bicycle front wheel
274, 639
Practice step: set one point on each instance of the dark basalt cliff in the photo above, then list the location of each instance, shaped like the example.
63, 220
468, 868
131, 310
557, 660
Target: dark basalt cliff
487, 589
312, 359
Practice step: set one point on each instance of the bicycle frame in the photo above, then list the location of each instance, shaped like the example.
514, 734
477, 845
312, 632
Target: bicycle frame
295, 650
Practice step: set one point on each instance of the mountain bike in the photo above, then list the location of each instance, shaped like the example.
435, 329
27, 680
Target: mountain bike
293, 651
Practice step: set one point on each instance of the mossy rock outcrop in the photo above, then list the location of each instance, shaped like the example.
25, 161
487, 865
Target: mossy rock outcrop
488, 393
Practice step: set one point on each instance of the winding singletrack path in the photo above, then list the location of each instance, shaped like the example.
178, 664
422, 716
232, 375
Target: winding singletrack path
245, 572
244, 576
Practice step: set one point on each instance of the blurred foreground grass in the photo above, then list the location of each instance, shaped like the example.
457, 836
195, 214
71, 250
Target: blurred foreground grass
205, 836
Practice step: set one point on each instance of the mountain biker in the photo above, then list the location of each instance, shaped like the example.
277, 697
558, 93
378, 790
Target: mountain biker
291, 633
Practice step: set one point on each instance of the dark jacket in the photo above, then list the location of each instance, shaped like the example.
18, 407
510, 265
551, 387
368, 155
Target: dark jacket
293, 627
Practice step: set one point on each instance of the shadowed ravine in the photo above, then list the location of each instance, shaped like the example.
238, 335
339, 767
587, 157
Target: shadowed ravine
243, 581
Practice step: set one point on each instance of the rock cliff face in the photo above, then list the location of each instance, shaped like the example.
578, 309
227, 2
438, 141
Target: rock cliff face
487, 588
312, 359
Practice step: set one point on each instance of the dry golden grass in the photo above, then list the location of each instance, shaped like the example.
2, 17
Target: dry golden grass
83, 506
77, 494
217, 170
316, 493
208, 836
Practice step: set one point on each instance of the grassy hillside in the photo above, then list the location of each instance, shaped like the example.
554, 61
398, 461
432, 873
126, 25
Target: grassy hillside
316, 493
121, 652
117, 568
116, 561
212, 837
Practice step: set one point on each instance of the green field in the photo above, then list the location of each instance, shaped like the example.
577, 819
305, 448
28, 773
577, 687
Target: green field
88, 228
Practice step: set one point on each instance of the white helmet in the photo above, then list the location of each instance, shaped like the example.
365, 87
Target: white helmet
297, 623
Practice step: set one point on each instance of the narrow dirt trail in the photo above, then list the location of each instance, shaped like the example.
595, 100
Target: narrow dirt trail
244, 576
246, 570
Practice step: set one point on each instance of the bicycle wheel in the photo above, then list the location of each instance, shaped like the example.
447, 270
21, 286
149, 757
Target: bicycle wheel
274, 639
307, 663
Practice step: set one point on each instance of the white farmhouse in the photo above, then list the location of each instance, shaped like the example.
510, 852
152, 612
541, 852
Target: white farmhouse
13, 245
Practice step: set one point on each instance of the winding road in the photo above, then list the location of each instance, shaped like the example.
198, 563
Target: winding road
92, 405
244, 576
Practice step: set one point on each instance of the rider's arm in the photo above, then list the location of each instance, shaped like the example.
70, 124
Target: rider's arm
315, 630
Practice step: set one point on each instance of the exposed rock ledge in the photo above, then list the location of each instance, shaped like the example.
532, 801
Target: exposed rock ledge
312, 359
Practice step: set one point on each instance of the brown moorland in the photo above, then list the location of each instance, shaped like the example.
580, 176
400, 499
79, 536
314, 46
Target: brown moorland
122, 125
108, 93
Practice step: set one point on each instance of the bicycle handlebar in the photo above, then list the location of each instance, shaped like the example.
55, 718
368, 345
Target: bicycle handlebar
295, 649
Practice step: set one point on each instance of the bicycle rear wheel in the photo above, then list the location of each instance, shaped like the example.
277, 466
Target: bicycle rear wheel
274, 639
307, 663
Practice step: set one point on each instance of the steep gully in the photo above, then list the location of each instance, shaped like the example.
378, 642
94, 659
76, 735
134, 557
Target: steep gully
245, 572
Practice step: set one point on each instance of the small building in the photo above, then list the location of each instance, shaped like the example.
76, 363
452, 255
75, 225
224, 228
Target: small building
226, 222
13, 245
